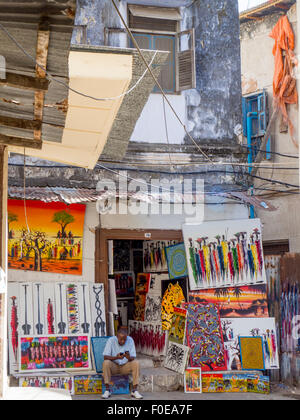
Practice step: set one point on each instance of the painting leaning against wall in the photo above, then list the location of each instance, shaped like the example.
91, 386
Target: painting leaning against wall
46, 237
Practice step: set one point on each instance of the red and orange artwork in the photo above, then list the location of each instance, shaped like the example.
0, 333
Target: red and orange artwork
45, 237
236, 302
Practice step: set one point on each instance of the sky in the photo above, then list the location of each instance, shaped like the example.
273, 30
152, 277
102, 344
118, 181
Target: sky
248, 4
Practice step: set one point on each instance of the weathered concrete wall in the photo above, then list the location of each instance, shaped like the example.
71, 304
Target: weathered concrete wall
257, 74
212, 112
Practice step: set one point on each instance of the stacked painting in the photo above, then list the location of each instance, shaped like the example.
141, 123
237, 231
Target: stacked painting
49, 311
228, 328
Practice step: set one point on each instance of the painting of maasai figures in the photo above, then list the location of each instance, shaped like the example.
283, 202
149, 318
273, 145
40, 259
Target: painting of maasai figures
178, 326
236, 302
204, 337
233, 328
192, 381
237, 382
177, 357
149, 337
49, 240
118, 385
176, 259
224, 253
154, 255
55, 382
124, 284
40, 353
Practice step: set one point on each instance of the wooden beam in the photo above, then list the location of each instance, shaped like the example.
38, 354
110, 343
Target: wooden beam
20, 123
43, 38
25, 82
20, 142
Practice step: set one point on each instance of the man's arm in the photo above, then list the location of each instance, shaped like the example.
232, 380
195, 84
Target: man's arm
113, 358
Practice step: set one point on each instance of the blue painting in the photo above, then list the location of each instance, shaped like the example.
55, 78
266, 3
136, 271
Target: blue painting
177, 262
98, 345
118, 385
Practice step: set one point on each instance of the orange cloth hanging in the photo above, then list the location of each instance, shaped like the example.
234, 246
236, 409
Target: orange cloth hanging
284, 82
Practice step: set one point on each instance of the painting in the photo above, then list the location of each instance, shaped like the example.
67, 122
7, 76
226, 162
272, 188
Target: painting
46, 353
183, 283
48, 240
154, 255
173, 297
149, 337
178, 326
236, 302
252, 353
52, 382
88, 385
153, 308
143, 283
125, 284
118, 385
204, 337
98, 346
176, 357
176, 260
224, 253
97, 301
192, 381
139, 306
237, 382
233, 328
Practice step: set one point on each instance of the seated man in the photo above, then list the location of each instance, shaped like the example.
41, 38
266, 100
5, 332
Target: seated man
119, 359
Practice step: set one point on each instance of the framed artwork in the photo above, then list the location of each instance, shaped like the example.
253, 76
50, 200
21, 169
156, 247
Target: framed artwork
98, 346
235, 302
233, 328
125, 284
119, 385
192, 381
88, 385
153, 308
178, 326
204, 337
154, 256
176, 260
235, 382
149, 337
54, 243
177, 357
56, 352
97, 302
224, 253
252, 353
54, 382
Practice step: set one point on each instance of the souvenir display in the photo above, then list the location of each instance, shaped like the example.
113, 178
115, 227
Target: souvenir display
54, 242
224, 253
176, 260
192, 381
233, 328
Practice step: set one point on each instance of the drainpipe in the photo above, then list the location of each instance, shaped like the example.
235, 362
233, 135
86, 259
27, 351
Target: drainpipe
250, 116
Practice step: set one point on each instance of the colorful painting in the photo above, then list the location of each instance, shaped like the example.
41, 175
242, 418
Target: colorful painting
143, 283
98, 346
149, 337
224, 253
48, 240
40, 353
118, 385
178, 326
192, 381
252, 353
177, 357
139, 306
235, 302
173, 297
204, 337
124, 284
88, 385
176, 259
154, 255
233, 328
55, 382
219, 383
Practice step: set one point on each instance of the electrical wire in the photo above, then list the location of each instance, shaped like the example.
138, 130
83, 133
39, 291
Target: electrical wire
52, 78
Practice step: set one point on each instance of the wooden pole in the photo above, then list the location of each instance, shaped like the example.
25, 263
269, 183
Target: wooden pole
3, 264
